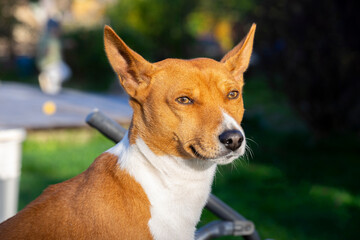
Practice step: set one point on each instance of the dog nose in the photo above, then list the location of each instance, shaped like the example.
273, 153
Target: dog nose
232, 139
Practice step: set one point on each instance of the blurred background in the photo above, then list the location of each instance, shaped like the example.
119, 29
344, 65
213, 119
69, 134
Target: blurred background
302, 97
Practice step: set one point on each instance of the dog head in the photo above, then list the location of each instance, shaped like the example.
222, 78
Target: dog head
186, 108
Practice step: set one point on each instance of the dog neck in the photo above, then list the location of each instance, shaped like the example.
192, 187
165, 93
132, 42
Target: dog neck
177, 188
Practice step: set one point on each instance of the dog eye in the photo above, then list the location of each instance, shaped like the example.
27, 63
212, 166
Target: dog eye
184, 100
233, 95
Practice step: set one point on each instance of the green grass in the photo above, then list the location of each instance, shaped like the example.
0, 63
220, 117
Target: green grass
294, 186
54, 156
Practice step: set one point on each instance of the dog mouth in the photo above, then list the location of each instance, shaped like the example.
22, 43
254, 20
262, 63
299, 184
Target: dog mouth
199, 153
221, 160
196, 153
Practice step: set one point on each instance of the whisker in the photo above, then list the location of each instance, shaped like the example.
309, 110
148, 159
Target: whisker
233, 166
219, 171
249, 152
252, 140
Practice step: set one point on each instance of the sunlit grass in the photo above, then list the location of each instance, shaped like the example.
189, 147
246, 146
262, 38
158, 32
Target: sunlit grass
53, 156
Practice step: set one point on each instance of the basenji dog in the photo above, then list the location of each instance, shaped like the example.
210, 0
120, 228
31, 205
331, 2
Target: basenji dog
156, 181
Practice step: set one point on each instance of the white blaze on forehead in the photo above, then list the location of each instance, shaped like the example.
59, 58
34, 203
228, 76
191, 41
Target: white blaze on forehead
229, 123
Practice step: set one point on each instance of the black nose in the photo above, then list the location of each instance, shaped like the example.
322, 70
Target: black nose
232, 139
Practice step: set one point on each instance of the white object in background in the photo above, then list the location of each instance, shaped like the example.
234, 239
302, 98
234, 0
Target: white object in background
10, 164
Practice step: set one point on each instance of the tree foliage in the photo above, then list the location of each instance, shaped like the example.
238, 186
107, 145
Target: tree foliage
154, 24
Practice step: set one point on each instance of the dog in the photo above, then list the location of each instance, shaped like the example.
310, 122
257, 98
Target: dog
156, 181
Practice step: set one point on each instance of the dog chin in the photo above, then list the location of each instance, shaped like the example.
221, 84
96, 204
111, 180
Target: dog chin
229, 158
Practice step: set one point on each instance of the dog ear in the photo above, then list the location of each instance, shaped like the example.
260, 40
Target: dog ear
237, 60
134, 71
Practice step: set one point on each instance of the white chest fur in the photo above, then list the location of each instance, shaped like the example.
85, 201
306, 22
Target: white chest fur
177, 188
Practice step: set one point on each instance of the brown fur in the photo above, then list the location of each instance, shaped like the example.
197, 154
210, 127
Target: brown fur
99, 202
